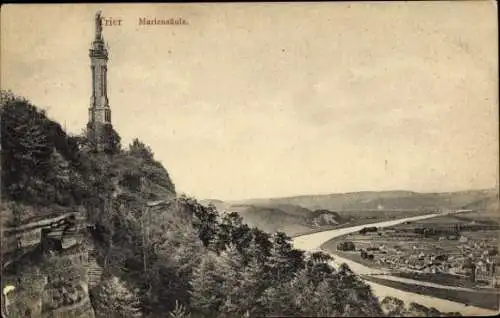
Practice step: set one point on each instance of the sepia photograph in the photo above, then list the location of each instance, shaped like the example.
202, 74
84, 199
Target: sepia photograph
225, 160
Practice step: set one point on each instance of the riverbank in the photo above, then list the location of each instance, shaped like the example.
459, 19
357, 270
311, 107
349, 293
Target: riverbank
482, 299
315, 240
358, 222
465, 293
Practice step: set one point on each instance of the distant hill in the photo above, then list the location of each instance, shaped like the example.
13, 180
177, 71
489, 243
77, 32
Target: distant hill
489, 203
288, 218
382, 200
301, 213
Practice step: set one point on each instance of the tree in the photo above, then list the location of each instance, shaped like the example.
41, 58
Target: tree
306, 296
113, 299
41, 164
320, 257
283, 260
230, 269
139, 149
174, 251
278, 300
393, 307
252, 287
262, 244
353, 297
323, 302
317, 267
418, 310
232, 230
206, 285
206, 222
26, 148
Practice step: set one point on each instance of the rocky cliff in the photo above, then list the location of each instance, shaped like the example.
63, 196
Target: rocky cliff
53, 188
45, 262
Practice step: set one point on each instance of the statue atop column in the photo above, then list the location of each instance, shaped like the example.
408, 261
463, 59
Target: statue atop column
98, 25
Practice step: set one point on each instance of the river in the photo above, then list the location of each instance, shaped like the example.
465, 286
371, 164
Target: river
312, 242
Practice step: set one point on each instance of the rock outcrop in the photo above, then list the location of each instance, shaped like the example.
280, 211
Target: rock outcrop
46, 262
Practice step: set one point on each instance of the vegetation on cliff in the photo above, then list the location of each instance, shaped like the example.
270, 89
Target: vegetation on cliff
44, 166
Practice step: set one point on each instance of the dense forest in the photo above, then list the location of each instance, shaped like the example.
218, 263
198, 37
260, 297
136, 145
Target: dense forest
178, 258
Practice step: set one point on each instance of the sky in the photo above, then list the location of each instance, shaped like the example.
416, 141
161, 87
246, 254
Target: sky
269, 100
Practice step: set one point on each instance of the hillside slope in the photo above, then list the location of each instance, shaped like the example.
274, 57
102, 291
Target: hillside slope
85, 240
47, 174
287, 218
300, 214
383, 200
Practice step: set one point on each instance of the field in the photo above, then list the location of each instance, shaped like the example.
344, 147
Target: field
483, 299
438, 278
